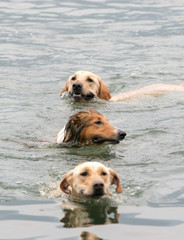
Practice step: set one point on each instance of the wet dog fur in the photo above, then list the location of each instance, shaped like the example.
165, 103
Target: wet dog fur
90, 179
89, 127
84, 86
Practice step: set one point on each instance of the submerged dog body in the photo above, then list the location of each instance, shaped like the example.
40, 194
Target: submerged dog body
154, 89
90, 179
89, 127
84, 85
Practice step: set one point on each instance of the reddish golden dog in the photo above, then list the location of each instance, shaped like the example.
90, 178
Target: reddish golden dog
89, 127
90, 179
83, 86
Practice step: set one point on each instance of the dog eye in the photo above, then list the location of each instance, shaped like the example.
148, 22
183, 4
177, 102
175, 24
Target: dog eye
103, 173
73, 78
89, 80
98, 122
84, 174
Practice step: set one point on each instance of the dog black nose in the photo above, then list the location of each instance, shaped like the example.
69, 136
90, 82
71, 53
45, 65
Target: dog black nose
77, 87
121, 135
98, 186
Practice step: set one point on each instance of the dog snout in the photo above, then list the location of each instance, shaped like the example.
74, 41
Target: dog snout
121, 135
77, 87
98, 188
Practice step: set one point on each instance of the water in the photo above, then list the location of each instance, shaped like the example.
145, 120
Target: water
129, 44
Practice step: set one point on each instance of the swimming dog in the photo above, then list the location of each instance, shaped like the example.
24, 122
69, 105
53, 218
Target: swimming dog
84, 86
87, 128
90, 179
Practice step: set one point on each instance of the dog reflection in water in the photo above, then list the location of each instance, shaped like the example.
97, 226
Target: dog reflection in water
85, 215
90, 201
89, 236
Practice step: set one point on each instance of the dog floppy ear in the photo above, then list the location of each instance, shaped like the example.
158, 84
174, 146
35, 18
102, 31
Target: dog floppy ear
115, 180
104, 92
65, 89
73, 129
65, 183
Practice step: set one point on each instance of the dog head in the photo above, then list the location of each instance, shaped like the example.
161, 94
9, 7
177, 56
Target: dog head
83, 86
90, 179
90, 127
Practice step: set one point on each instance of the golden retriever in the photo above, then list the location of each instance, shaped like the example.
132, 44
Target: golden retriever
84, 85
90, 179
89, 127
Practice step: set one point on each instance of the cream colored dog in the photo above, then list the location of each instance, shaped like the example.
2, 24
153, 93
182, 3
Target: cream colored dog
90, 179
84, 85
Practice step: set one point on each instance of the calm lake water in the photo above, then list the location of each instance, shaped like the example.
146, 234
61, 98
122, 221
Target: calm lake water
129, 44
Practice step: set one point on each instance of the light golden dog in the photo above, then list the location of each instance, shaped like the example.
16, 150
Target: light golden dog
90, 179
84, 85
89, 127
